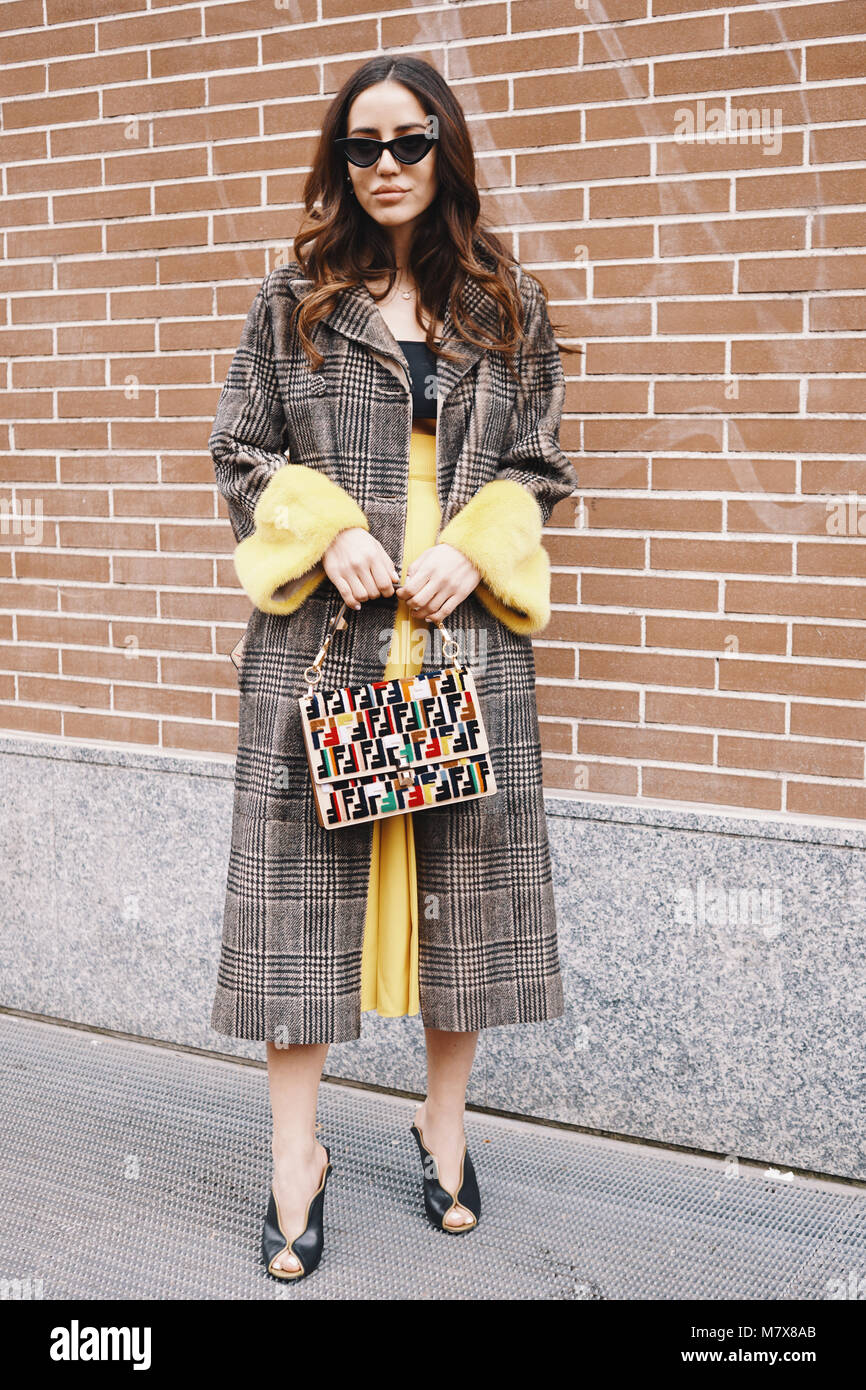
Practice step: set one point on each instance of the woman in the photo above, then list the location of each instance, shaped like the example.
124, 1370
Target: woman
398, 297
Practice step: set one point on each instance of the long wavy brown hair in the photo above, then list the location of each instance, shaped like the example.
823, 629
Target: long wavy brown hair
340, 246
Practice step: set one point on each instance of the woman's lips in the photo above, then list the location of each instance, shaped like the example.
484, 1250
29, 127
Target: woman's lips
390, 194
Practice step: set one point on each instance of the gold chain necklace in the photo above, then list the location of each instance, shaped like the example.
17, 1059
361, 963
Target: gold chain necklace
404, 294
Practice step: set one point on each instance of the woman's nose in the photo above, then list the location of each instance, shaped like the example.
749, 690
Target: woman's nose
388, 164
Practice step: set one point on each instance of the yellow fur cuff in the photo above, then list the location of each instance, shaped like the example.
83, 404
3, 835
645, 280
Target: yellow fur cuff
499, 530
297, 516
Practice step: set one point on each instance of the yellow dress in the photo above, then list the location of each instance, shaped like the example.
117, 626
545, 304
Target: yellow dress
389, 960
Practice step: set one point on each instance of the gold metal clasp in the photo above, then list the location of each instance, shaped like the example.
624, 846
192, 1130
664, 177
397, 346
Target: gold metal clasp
313, 673
450, 646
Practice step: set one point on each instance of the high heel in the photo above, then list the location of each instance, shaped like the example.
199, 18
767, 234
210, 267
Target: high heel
308, 1246
438, 1200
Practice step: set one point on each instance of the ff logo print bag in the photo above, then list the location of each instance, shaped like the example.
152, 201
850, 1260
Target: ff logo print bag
396, 745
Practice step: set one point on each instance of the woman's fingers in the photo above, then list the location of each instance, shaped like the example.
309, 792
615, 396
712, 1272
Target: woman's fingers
441, 613
363, 583
431, 598
346, 593
437, 580
385, 574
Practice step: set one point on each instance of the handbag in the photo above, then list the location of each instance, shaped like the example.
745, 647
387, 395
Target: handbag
393, 746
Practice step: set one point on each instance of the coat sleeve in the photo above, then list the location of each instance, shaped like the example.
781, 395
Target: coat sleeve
283, 515
499, 529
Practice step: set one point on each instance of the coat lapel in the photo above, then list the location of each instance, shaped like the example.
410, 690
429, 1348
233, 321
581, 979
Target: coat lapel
357, 316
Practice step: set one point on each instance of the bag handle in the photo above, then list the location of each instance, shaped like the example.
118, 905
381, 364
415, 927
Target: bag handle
313, 673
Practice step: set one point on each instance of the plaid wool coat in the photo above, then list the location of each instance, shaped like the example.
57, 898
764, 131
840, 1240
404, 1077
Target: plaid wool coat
298, 456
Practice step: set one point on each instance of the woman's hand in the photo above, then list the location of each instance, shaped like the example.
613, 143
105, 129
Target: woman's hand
359, 566
437, 581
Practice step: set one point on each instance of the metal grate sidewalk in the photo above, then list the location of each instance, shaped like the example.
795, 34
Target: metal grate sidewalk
136, 1172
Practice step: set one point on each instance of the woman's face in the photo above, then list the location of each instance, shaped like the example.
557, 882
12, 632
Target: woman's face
384, 111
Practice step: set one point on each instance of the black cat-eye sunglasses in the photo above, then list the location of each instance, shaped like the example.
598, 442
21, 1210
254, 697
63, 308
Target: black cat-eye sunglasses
364, 151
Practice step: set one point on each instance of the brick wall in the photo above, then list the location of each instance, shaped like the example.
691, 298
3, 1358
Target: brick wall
708, 642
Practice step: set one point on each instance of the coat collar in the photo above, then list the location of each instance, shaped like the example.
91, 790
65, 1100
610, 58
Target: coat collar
357, 316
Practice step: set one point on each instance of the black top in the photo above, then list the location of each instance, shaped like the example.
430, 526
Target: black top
422, 372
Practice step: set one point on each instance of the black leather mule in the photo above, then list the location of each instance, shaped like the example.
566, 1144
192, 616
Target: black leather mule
308, 1246
438, 1200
